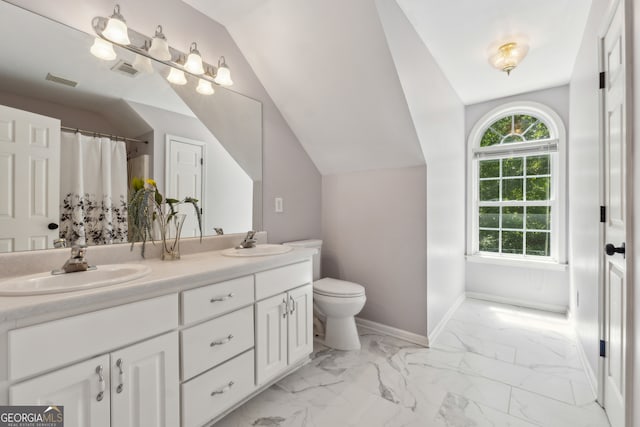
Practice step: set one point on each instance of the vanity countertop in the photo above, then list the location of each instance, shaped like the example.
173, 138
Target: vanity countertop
191, 271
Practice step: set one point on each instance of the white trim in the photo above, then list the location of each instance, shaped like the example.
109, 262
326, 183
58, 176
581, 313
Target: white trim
401, 334
517, 262
517, 302
557, 131
591, 375
433, 336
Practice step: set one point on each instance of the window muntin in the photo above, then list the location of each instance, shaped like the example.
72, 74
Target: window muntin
515, 188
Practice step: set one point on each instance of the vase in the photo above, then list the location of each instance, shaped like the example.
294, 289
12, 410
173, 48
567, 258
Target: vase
171, 229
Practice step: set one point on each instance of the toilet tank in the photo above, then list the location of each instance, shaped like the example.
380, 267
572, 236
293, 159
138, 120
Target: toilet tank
312, 244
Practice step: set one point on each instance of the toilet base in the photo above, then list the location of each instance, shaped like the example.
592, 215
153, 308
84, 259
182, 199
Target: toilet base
341, 333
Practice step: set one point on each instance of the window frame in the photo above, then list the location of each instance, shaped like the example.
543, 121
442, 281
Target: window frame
558, 165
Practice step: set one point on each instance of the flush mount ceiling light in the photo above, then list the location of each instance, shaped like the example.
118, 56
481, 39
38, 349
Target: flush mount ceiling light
205, 87
103, 49
223, 74
116, 29
159, 46
194, 61
509, 56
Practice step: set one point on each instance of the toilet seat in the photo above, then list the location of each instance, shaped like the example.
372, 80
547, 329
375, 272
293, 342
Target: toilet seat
337, 288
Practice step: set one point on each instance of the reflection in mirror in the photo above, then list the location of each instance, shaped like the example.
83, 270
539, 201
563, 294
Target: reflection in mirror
57, 183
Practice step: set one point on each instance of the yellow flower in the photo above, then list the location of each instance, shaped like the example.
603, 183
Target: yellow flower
151, 182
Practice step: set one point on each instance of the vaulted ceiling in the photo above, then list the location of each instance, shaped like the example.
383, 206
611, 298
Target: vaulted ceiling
328, 67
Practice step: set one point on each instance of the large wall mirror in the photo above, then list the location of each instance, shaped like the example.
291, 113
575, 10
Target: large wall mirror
74, 131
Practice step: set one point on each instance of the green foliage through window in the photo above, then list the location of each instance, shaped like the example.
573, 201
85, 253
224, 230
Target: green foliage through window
515, 128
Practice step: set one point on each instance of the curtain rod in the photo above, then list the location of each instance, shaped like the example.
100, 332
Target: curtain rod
90, 133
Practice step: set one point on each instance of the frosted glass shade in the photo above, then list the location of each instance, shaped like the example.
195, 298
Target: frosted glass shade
177, 77
509, 56
103, 49
205, 87
143, 64
223, 76
116, 31
160, 49
194, 63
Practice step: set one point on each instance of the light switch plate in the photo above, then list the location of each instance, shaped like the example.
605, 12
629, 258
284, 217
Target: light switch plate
279, 208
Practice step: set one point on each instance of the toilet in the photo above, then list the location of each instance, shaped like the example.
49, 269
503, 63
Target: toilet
335, 302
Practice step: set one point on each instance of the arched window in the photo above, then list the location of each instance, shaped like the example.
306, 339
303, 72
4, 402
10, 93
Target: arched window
517, 184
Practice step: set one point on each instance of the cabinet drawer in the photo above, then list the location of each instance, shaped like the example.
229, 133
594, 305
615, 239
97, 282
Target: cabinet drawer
49, 345
213, 300
282, 279
213, 342
209, 395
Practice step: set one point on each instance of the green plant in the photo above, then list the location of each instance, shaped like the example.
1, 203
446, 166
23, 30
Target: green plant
146, 205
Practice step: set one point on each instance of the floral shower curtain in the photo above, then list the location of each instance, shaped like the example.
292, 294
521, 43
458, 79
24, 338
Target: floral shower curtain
93, 190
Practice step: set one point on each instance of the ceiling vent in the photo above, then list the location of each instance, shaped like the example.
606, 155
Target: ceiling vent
125, 68
61, 80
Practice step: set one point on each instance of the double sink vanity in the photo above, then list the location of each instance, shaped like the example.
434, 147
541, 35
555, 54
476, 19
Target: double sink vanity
156, 343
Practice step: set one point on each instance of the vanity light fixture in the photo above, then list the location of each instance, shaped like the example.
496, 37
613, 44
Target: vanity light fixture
103, 49
142, 64
116, 29
509, 56
223, 74
159, 46
177, 77
194, 60
205, 87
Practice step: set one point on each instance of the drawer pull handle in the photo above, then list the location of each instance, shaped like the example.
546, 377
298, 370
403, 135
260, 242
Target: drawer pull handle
102, 386
222, 341
223, 298
120, 365
284, 308
223, 390
293, 305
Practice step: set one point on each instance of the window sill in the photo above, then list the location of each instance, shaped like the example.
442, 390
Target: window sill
513, 262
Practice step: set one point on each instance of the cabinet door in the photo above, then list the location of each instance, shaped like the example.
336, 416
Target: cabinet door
145, 385
271, 337
300, 323
83, 390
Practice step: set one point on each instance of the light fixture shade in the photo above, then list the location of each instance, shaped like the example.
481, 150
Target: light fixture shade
159, 48
143, 64
177, 77
509, 56
103, 49
194, 61
223, 75
116, 29
205, 87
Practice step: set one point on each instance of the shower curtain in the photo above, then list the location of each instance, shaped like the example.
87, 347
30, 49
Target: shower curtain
93, 190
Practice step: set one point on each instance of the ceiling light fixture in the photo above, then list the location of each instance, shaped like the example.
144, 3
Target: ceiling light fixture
103, 49
159, 46
509, 56
223, 74
194, 60
205, 87
116, 29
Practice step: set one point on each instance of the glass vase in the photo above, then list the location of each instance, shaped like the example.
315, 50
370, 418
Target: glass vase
171, 229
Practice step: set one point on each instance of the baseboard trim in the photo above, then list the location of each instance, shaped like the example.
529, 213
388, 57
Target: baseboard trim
520, 303
591, 375
379, 328
433, 336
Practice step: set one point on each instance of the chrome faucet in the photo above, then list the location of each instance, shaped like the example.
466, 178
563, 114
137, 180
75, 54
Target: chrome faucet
76, 262
249, 241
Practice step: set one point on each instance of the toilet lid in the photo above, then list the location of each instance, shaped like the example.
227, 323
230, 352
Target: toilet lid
337, 288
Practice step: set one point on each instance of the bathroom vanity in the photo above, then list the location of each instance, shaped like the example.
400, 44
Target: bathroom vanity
181, 346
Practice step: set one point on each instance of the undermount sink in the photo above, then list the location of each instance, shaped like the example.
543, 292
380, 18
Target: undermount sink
258, 250
46, 283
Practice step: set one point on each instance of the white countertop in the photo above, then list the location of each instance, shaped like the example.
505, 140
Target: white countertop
192, 270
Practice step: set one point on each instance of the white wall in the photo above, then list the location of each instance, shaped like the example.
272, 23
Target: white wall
546, 288
229, 190
584, 184
374, 228
438, 117
288, 172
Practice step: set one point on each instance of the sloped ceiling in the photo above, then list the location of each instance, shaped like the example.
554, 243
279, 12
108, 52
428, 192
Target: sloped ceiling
328, 68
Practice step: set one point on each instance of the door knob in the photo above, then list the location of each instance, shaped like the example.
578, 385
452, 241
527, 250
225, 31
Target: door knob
52, 226
611, 249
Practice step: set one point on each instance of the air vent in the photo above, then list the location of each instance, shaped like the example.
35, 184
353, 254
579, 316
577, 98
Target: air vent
61, 80
125, 68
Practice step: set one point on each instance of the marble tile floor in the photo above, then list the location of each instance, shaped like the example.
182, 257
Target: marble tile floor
493, 365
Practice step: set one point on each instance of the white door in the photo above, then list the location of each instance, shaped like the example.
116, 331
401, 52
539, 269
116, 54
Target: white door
185, 166
145, 384
29, 180
300, 323
83, 390
271, 334
615, 227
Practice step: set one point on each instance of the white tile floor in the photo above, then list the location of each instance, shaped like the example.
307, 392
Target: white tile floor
493, 365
